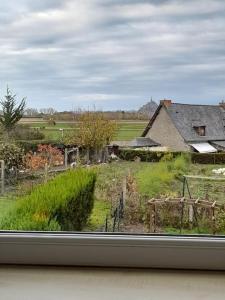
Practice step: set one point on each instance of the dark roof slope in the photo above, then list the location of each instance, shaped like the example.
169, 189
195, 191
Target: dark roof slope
143, 142
186, 116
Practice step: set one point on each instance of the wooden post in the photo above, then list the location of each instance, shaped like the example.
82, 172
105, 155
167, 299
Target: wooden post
106, 154
150, 217
78, 155
154, 217
66, 158
124, 191
182, 214
190, 215
88, 155
2, 176
46, 172
213, 218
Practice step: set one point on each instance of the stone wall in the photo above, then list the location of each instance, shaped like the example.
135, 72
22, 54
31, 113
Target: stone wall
164, 132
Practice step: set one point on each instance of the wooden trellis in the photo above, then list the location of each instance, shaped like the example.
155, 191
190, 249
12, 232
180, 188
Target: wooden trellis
192, 205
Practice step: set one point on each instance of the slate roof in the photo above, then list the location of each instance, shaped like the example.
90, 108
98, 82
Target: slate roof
186, 116
136, 143
219, 144
143, 142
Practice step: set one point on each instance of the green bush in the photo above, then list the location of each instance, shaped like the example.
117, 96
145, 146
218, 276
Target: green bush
159, 179
153, 156
32, 145
12, 155
24, 132
148, 156
208, 158
180, 165
63, 203
155, 181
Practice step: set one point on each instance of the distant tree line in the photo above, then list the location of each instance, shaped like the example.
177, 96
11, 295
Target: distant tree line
75, 115
144, 113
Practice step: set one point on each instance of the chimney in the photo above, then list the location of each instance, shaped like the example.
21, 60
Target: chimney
167, 102
222, 104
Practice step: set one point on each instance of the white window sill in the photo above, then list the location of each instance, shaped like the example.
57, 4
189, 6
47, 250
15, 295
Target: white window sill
57, 283
113, 250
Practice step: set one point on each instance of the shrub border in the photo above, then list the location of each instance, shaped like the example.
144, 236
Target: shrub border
154, 156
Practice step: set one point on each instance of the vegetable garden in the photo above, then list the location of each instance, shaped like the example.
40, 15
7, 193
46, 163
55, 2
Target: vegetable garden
38, 202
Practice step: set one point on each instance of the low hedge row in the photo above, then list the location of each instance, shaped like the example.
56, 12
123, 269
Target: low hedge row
63, 203
151, 156
33, 144
208, 158
147, 156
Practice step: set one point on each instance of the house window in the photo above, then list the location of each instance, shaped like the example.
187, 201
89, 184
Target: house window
200, 130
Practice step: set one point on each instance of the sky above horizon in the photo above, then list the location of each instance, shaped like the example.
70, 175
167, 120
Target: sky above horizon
112, 54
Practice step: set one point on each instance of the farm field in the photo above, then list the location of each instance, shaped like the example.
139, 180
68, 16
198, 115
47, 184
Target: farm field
127, 130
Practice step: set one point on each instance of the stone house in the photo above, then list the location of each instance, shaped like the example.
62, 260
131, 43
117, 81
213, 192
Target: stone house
188, 127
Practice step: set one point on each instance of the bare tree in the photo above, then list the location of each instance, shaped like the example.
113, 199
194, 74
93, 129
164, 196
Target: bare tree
48, 111
95, 132
31, 112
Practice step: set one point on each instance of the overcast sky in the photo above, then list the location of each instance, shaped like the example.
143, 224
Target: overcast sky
114, 54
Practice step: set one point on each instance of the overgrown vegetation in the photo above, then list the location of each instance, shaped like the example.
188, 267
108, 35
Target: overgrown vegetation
63, 203
161, 178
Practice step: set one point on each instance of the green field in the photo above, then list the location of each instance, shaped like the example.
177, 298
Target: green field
126, 130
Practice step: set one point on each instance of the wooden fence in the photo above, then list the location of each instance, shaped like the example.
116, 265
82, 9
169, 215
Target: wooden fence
192, 206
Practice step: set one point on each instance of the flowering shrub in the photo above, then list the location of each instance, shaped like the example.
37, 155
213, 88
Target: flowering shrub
46, 154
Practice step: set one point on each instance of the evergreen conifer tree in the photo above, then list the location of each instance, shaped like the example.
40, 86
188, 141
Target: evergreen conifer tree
11, 112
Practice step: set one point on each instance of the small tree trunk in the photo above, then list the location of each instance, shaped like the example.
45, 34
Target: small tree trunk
66, 158
46, 172
106, 156
88, 155
96, 157
2, 176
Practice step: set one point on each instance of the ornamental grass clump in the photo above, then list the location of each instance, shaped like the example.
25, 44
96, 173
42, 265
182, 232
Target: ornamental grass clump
63, 203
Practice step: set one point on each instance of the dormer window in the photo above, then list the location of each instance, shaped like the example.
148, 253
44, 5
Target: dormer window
200, 130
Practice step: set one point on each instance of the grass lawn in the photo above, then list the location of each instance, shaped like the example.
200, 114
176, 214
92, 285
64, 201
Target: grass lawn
98, 216
5, 204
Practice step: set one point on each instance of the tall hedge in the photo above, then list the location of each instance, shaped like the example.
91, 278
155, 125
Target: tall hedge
63, 203
148, 156
32, 145
208, 158
156, 156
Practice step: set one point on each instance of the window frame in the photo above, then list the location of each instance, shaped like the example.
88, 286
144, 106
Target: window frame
200, 130
113, 250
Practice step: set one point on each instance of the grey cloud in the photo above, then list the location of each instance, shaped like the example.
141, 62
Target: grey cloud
115, 54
